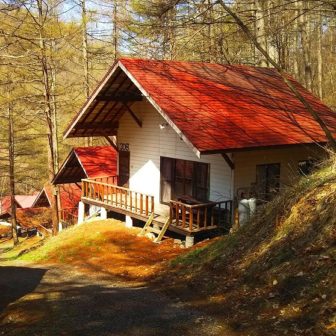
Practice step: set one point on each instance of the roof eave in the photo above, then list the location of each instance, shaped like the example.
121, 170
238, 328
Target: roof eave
67, 133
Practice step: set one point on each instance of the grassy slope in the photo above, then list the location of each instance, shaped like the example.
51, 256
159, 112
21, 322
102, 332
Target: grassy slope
105, 247
277, 275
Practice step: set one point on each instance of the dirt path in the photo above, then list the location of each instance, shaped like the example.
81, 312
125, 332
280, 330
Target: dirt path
58, 300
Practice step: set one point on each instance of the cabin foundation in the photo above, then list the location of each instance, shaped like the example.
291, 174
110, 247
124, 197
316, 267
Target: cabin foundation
81, 212
128, 221
103, 213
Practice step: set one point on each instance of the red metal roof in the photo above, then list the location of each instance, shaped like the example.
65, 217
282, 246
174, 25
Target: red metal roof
228, 107
70, 195
25, 201
98, 161
87, 162
5, 205
22, 201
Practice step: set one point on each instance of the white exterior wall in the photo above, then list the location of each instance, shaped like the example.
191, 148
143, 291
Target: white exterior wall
148, 143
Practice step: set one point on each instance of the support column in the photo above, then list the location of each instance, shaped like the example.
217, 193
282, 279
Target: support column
93, 209
81, 212
189, 241
128, 221
103, 213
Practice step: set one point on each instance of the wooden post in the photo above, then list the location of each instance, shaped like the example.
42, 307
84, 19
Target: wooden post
191, 220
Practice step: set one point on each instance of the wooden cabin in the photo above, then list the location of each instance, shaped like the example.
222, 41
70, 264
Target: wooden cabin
70, 195
193, 137
97, 163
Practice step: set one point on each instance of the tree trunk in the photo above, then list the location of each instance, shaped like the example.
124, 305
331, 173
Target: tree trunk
48, 116
11, 156
319, 56
88, 141
305, 42
115, 30
260, 28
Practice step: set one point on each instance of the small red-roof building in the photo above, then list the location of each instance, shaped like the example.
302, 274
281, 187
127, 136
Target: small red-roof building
70, 195
198, 133
87, 162
22, 201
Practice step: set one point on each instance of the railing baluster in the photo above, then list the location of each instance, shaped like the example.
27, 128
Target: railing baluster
191, 219
198, 218
183, 215
212, 216
146, 205
141, 203
205, 217
152, 204
131, 199
126, 199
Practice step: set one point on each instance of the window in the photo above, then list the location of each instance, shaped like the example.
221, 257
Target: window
182, 177
268, 180
306, 166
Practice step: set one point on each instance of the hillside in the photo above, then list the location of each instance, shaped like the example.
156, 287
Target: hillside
276, 275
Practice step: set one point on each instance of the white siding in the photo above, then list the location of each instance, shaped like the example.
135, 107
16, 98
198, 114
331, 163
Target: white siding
150, 142
288, 158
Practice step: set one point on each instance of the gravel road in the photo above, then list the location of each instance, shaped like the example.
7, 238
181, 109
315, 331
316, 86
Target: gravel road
58, 300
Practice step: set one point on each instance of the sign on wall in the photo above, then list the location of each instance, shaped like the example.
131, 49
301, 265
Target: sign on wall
123, 147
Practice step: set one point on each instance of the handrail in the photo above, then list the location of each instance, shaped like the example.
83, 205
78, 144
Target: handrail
197, 217
201, 205
114, 185
114, 196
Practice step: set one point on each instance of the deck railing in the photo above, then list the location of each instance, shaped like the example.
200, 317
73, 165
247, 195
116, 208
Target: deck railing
107, 179
199, 217
68, 216
112, 195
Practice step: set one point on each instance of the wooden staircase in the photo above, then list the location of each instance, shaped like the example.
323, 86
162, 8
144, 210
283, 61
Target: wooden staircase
149, 228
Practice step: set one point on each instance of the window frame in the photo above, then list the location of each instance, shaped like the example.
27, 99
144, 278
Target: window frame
195, 187
267, 196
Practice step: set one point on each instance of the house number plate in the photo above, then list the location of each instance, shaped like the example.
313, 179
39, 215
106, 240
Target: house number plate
124, 147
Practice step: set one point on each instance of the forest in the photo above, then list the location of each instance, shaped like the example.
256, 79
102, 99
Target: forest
53, 53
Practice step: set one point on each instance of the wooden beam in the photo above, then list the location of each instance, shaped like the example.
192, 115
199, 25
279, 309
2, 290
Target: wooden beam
134, 116
98, 133
96, 125
120, 97
228, 161
111, 142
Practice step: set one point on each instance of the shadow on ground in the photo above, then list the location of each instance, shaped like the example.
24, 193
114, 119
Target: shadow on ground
70, 303
16, 282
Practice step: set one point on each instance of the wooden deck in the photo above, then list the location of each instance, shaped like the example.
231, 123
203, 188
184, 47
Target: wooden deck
184, 219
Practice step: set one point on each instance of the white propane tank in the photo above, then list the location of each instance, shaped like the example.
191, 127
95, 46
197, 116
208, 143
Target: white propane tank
253, 205
244, 211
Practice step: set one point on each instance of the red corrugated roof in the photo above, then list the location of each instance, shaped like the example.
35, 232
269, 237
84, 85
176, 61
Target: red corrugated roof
227, 107
98, 161
70, 195
25, 201
5, 205
22, 201
87, 162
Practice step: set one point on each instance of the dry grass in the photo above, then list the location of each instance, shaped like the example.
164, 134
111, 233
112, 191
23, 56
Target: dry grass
276, 275
108, 247
9, 252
